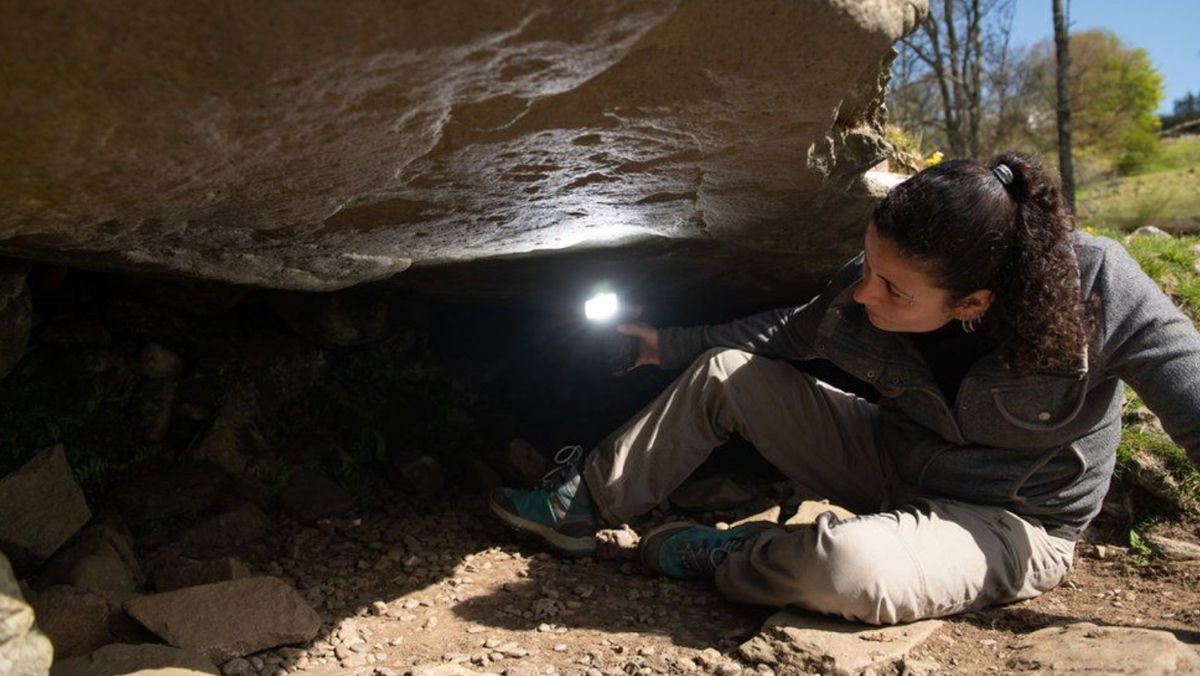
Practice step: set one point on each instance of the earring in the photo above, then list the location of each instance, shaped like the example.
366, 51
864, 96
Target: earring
969, 325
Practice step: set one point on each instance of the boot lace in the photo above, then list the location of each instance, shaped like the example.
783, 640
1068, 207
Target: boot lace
566, 462
708, 554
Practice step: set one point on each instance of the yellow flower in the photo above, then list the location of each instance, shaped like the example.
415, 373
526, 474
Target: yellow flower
934, 158
1088, 228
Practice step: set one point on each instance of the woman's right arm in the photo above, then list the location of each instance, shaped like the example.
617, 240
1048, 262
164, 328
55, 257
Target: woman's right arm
784, 333
1151, 345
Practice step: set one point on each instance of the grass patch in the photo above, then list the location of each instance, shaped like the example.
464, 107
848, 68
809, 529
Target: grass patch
1177, 154
1166, 194
1171, 263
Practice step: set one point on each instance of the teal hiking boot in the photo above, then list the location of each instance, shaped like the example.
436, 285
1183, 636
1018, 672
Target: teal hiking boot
561, 513
690, 551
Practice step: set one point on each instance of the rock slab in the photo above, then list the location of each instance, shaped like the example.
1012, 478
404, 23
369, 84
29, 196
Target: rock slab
317, 150
228, 619
1085, 648
794, 642
145, 660
42, 507
24, 651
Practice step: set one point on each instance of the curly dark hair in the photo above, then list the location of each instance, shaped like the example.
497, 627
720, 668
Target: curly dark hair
971, 230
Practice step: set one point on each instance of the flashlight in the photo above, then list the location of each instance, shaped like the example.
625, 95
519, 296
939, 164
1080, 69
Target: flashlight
605, 311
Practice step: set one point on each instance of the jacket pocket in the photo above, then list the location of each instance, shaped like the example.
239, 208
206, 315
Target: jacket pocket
1043, 405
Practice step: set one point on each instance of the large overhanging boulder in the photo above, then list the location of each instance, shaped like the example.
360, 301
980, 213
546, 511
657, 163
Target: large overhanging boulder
319, 145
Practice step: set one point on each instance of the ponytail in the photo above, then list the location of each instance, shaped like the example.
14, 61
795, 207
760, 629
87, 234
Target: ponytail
1039, 313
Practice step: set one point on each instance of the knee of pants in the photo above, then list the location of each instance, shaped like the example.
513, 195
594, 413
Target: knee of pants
859, 573
723, 359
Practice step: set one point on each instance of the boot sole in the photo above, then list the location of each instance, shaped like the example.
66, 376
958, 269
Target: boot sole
563, 544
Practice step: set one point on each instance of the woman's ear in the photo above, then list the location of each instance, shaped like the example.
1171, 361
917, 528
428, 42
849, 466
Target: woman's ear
973, 306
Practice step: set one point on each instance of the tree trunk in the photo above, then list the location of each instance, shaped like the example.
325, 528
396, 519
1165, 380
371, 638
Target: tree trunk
1066, 166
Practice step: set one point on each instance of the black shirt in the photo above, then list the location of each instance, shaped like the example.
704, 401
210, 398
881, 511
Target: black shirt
949, 353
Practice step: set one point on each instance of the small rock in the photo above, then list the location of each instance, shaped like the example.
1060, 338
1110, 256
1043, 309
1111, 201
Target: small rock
237, 667
523, 464
808, 511
1149, 231
310, 495
42, 507
613, 544
1178, 550
422, 475
178, 572
76, 620
157, 362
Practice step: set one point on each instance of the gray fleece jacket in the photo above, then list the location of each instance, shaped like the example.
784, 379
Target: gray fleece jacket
1043, 444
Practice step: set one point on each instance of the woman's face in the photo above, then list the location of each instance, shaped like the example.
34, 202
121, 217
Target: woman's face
899, 296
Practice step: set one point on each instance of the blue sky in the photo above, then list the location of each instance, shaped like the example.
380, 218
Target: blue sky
1169, 31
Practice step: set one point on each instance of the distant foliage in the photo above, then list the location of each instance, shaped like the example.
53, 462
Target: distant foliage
1186, 109
1008, 100
1114, 91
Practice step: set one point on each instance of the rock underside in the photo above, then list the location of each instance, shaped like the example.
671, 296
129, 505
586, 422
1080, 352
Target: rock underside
316, 148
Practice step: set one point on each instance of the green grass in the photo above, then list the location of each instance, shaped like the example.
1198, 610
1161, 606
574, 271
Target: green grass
1177, 154
1165, 194
1172, 263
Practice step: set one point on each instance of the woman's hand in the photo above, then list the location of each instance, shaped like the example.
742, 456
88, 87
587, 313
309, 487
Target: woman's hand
647, 343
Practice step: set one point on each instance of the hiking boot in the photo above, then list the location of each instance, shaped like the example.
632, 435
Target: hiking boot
689, 551
561, 513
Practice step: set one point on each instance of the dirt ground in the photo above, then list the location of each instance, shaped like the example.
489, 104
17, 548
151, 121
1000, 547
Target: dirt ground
438, 584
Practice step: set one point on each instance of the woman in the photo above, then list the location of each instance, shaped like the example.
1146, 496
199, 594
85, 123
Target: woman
997, 338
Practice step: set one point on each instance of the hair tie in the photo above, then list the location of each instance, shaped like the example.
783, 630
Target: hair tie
1003, 173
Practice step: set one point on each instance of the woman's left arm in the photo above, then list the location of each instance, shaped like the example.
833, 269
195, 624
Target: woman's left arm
1146, 341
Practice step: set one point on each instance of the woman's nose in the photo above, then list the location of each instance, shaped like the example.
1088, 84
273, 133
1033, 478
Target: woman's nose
864, 293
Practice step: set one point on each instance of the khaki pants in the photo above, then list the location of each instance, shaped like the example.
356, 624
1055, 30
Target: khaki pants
907, 558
